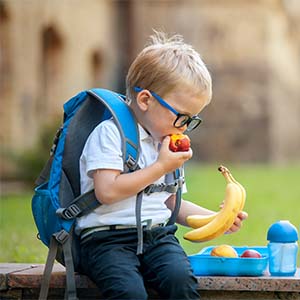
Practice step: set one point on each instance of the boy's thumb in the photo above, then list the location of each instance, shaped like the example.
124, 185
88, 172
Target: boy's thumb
166, 141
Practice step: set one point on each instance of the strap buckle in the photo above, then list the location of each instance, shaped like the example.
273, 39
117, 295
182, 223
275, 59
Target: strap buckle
131, 163
172, 188
149, 189
61, 236
69, 213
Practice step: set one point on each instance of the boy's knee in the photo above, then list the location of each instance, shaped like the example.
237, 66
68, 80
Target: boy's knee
181, 285
184, 278
135, 292
131, 291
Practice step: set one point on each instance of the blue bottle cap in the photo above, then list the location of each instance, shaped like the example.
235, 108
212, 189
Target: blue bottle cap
282, 232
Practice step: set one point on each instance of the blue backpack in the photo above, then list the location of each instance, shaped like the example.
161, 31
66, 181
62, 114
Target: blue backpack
57, 200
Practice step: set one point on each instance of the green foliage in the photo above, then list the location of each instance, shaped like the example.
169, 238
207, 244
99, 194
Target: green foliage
31, 161
273, 193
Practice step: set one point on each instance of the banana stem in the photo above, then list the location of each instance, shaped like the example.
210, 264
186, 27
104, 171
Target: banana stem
225, 172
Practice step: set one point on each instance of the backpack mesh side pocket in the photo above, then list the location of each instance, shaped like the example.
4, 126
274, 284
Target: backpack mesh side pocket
44, 214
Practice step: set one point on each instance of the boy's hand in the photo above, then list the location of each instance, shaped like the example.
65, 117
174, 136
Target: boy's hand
169, 160
236, 226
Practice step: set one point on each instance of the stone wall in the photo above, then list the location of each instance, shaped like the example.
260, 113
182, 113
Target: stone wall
56, 48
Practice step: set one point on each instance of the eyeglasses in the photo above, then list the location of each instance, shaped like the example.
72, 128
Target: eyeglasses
182, 119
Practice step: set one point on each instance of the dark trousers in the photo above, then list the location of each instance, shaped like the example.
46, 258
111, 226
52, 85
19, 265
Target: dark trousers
109, 259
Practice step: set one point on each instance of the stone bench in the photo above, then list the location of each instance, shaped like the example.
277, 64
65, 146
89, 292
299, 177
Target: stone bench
22, 281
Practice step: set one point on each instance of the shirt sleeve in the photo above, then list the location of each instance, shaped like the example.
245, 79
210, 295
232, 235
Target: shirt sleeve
103, 149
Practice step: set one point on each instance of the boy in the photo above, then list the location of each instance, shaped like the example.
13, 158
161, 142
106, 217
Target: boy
167, 86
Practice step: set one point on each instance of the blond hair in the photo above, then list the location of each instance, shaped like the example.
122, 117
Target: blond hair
167, 62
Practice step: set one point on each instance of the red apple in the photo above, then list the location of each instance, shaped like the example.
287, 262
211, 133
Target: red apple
179, 142
251, 253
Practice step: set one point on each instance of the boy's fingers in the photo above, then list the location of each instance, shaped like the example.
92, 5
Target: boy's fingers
166, 141
167, 138
189, 153
184, 154
243, 215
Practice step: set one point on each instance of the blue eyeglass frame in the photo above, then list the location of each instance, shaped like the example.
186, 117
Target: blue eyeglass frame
173, 110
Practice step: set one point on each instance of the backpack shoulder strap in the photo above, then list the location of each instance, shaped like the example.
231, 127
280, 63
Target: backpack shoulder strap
126, 123
178, 174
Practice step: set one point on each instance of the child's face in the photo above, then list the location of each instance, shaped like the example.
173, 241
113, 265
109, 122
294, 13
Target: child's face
159, 120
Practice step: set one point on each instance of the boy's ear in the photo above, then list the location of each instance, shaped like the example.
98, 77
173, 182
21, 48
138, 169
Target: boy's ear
143, 98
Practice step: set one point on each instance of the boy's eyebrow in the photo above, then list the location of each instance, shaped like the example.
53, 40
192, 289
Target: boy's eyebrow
183, 112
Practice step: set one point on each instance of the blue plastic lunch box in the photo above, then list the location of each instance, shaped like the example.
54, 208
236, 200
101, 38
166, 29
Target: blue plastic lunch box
203, 264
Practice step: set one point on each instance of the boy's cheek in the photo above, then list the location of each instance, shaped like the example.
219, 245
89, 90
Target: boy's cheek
179, 142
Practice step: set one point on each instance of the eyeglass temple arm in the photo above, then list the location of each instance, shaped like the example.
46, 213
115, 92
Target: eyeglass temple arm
159, 99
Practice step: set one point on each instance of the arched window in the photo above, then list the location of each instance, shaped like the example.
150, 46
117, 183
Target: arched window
96, 63
5, 57
5, 76
51, 65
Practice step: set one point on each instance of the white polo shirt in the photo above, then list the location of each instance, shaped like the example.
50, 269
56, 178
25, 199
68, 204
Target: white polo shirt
103, 151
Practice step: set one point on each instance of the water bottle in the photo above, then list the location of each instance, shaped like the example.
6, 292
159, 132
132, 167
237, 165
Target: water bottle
282, 248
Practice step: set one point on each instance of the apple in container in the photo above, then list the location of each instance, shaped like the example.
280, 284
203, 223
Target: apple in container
250, 253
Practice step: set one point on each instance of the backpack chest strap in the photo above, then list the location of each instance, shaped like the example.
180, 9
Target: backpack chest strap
162, 187
165, 187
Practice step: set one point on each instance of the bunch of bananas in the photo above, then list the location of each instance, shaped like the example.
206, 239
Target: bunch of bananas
208, 227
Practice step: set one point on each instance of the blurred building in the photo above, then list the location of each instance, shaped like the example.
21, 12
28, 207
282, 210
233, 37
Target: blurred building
52, 49
49, 51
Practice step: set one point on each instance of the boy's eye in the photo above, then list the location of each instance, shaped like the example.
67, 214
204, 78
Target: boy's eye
181, 120
191, 122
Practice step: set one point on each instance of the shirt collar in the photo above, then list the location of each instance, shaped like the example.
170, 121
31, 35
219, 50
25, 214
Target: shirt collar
143, 133
144, 136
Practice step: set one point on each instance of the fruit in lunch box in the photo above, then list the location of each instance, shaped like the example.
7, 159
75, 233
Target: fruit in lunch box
251, 253
224, 251
212, 226
179, 142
